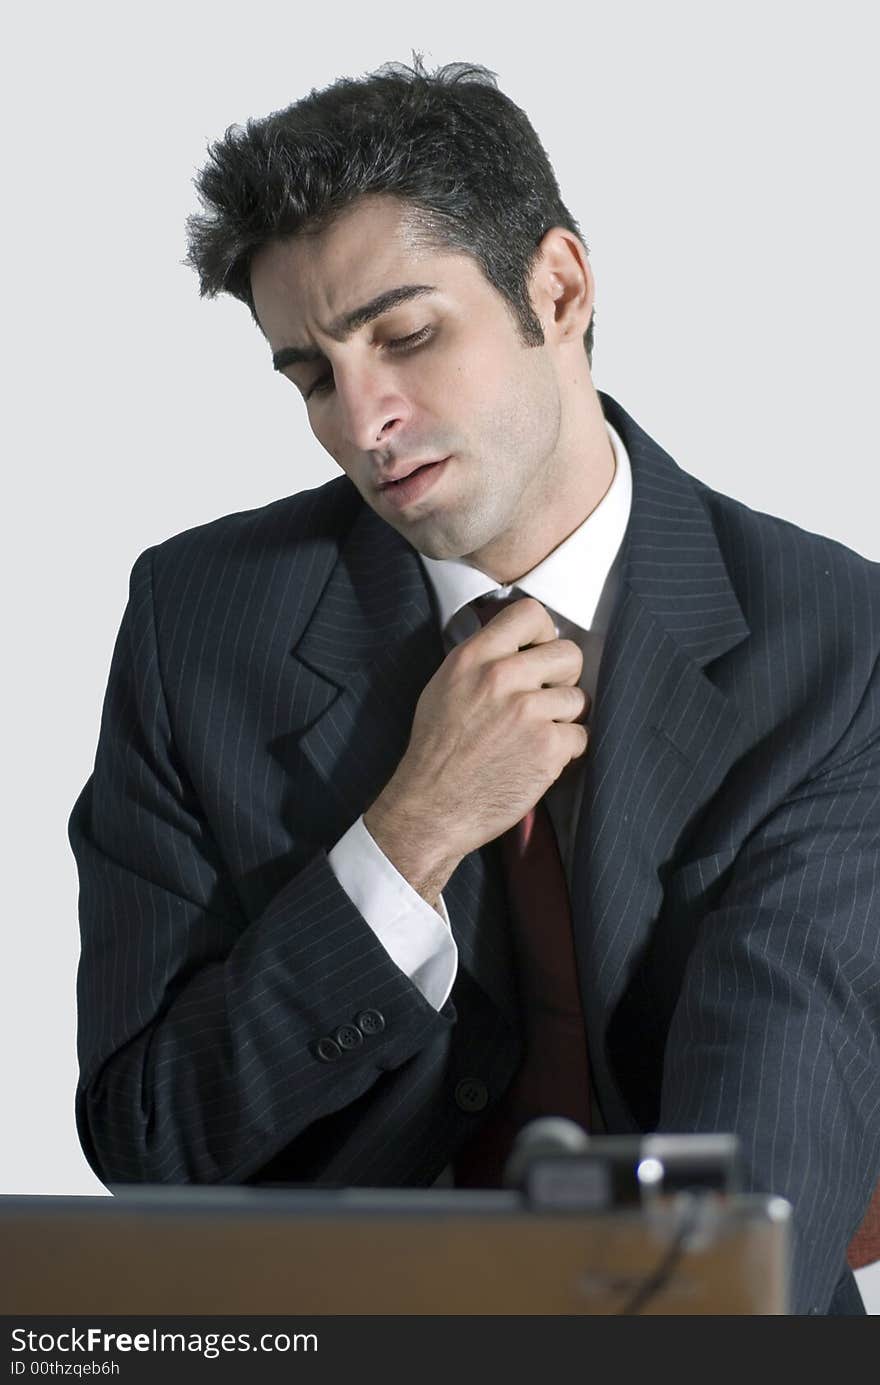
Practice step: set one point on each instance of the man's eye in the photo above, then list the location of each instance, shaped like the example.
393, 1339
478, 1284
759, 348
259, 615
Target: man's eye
320, 386
324, 383
414, 339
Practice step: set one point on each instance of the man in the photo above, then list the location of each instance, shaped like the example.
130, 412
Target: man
341, 801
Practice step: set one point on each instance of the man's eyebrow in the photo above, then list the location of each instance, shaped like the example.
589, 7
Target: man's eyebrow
343, 326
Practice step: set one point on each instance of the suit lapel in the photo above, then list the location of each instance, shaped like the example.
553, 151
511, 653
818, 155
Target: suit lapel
663, 736
371, 645
374, 642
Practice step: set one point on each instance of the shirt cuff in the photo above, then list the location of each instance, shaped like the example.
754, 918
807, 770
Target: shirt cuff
417, 938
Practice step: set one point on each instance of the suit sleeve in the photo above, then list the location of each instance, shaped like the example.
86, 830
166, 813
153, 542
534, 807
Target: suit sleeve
417, 937
776, 1034
199, 1030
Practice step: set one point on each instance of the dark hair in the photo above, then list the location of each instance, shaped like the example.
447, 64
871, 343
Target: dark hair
449, 143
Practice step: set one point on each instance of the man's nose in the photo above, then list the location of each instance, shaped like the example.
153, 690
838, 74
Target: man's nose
373, 410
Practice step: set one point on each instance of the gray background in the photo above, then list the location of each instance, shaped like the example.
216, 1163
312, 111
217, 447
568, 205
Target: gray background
721, 160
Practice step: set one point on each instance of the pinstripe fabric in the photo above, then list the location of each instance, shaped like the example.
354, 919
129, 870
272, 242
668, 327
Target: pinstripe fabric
724, 895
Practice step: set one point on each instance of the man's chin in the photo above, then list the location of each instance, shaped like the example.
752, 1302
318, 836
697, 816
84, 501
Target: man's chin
430, 543
438, 535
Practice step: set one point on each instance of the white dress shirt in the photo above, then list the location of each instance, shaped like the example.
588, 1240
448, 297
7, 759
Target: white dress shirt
577, 583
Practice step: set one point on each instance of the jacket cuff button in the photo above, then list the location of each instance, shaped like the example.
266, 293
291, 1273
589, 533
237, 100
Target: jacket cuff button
370, 1022
348, 1036
328, 1050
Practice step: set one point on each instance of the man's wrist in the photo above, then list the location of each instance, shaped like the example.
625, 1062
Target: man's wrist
412, 849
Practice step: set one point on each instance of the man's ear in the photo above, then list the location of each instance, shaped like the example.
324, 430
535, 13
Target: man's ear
561, 287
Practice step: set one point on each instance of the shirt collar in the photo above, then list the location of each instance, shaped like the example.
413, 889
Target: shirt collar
570, 580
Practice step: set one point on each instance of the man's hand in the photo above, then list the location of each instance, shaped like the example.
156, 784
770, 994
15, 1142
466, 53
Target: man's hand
493, 729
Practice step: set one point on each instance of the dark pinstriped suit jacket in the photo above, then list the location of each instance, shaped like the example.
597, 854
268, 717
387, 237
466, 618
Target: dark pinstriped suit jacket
725, 894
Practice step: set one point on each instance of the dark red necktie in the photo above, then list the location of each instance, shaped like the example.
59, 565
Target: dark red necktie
554, 1077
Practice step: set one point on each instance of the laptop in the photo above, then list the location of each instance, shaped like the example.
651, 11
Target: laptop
604, 1234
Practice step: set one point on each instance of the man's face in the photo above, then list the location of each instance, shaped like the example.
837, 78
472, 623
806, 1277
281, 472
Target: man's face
445, 421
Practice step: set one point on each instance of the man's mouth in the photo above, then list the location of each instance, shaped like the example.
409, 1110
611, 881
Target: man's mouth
414, 481
406, 470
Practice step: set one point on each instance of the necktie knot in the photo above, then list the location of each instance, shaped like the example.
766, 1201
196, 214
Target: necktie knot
485, 607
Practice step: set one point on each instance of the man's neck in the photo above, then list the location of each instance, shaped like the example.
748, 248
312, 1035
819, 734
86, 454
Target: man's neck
566, 494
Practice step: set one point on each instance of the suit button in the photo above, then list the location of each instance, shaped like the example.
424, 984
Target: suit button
328, 1050
370, 1022
471, 1094
347, 1036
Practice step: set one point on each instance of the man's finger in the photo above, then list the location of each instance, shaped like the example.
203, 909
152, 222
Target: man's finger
518, 625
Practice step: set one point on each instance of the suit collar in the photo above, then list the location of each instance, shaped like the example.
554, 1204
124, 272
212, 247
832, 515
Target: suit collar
376, 595
671, 558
